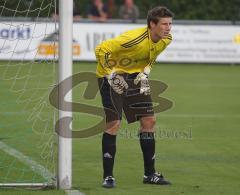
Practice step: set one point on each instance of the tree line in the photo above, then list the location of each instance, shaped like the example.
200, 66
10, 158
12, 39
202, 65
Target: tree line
183, 9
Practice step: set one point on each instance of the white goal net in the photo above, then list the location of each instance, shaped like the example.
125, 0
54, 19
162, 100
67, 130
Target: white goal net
28, 38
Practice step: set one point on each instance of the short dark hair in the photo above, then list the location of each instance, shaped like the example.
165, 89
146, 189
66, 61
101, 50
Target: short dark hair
158, 12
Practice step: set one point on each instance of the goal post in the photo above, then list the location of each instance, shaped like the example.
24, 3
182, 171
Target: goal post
65, 71
35, 55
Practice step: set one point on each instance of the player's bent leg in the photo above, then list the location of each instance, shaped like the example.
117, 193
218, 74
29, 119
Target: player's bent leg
112, 127
147, 142
108, 152
147, 124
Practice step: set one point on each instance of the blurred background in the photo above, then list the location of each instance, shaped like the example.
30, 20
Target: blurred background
183, 9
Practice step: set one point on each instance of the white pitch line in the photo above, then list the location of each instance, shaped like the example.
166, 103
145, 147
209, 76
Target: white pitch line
36, 167
163, 115
74, 192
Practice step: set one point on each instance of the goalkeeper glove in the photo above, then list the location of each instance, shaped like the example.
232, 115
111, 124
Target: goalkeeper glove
142, 77
117, 82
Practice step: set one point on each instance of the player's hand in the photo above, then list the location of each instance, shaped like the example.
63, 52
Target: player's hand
117, 82
142, 77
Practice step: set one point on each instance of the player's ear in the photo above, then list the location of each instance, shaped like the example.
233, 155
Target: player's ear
152, 24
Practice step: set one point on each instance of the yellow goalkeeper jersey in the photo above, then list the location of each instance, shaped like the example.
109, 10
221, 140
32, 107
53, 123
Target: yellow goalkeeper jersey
129, 52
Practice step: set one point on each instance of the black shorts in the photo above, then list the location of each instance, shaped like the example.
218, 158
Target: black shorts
134, 104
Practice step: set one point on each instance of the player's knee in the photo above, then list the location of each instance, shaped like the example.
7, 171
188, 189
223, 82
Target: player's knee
148, 123
112, 127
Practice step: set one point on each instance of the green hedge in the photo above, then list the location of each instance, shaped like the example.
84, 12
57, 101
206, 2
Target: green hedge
183, 9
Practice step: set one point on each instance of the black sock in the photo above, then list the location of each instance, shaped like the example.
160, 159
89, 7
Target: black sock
108, 153
147, 143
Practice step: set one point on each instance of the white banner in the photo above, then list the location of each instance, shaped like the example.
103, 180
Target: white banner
191, 43
21, 41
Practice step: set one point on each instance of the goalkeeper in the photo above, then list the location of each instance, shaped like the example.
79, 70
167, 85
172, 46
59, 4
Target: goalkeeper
124, 64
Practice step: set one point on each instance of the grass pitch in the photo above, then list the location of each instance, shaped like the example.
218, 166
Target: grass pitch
197, 142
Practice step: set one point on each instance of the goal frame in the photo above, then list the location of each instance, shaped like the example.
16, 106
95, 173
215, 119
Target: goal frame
65, 71
63, 178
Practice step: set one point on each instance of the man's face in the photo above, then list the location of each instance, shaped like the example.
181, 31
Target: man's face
162, 28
